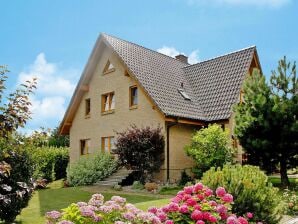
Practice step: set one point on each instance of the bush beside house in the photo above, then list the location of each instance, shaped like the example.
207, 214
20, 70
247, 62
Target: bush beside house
91, 168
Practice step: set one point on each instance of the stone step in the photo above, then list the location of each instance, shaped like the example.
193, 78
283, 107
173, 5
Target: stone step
115, 178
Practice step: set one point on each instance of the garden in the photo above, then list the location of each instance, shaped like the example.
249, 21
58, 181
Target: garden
37, 184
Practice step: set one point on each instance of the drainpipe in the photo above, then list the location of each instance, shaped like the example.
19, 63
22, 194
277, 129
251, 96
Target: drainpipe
168, 147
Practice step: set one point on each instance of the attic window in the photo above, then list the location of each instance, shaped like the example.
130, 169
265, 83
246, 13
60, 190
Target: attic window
184, 94
108, 68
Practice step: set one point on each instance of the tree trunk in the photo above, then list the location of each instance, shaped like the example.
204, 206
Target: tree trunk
283, 173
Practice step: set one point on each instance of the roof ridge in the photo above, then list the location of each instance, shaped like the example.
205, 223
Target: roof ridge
145, 48
223, 55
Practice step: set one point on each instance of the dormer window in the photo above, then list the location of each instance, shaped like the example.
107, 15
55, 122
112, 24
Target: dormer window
108, 68
184, 94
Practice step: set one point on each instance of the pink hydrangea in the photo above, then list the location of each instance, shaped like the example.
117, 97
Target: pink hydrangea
249, 215
191, 202
232, 220
242, 220
153, 210
183, 209
220, 192
53, 215
198, 187
188, 189
173, 207
228, 198
200, 222
169, 222
196, 215
212, 219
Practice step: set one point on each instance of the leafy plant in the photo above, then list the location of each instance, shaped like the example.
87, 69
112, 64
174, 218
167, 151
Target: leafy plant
209, 147
251, 190
185, 178
141, 149
137, 185
49, 162
87, 170
291, 202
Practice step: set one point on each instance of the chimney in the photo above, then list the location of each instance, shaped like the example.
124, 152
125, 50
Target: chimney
182, 58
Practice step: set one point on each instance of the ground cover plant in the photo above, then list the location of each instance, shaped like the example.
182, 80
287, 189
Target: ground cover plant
194, 204
89, 169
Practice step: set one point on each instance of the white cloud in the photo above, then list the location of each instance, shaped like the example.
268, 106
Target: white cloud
257, 3
193, 57
50, 79
55, 85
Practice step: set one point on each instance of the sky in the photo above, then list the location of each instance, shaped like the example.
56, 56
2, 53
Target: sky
52, 39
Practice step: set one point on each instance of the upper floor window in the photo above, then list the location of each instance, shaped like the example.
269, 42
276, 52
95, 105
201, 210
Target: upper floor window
87, 107
107, 143
108, 68
84, 146
108, 102
133, 96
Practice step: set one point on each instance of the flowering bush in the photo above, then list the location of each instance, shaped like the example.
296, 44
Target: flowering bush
291, 202
195, 205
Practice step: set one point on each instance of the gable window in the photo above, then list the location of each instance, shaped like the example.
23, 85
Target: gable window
107, 143
133, 97
108, 102
108, 68
85, 145
87, 107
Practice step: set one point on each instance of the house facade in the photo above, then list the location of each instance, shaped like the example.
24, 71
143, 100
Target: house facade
124, 84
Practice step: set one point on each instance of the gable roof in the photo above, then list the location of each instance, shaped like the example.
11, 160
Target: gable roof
213, 85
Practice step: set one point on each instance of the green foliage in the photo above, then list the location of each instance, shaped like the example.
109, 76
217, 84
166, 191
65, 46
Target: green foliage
251, 190
170, 190
185, 178
49, 162
137, 185
209, 148
89, 169
141, 149
266, 122
57, 140
15, 174
291, 202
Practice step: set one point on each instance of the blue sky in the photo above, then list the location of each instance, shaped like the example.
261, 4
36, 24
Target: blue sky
52, 39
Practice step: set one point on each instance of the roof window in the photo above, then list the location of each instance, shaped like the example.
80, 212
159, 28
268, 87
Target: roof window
184, 94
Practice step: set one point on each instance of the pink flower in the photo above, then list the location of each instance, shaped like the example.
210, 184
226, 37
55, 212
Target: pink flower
220, 191
212, 203
200, 222
176, 199
206, 215
183, 209
242, 220
173, 207
162, 216
169, 222
208, 192
228, 198
153, 210
53, 215
212, 218
188, 189
249, 215
197, 207
232, 220
196, 215
191, 202
221, 209
198, 187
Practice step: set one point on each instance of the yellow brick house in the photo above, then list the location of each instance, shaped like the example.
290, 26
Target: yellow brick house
124, 84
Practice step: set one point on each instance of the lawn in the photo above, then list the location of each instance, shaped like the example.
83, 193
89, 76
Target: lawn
55, 198
276, 182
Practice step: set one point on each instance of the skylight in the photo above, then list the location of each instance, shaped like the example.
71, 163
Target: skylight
184, 94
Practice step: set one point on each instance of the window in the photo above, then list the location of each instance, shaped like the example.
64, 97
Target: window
184, 94
108, 68
108, 102
107, 143
85, 144
133, 98
87, 107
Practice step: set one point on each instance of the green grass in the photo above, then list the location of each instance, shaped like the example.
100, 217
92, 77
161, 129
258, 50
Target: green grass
277, 183
156, 203
56, 198
170, 190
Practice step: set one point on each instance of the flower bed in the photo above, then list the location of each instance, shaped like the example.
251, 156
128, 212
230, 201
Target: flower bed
194, 204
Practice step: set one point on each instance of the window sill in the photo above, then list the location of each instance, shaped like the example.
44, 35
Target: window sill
133, 107
87, 116
107, 112
109, 71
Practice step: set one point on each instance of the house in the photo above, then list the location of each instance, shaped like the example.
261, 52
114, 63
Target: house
124, 83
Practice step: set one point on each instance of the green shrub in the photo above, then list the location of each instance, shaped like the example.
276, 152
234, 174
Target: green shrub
209, 148
137, 185
251, 190
185, 178
50, 162
89, 169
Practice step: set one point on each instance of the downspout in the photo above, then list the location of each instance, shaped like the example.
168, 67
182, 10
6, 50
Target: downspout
168, 147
